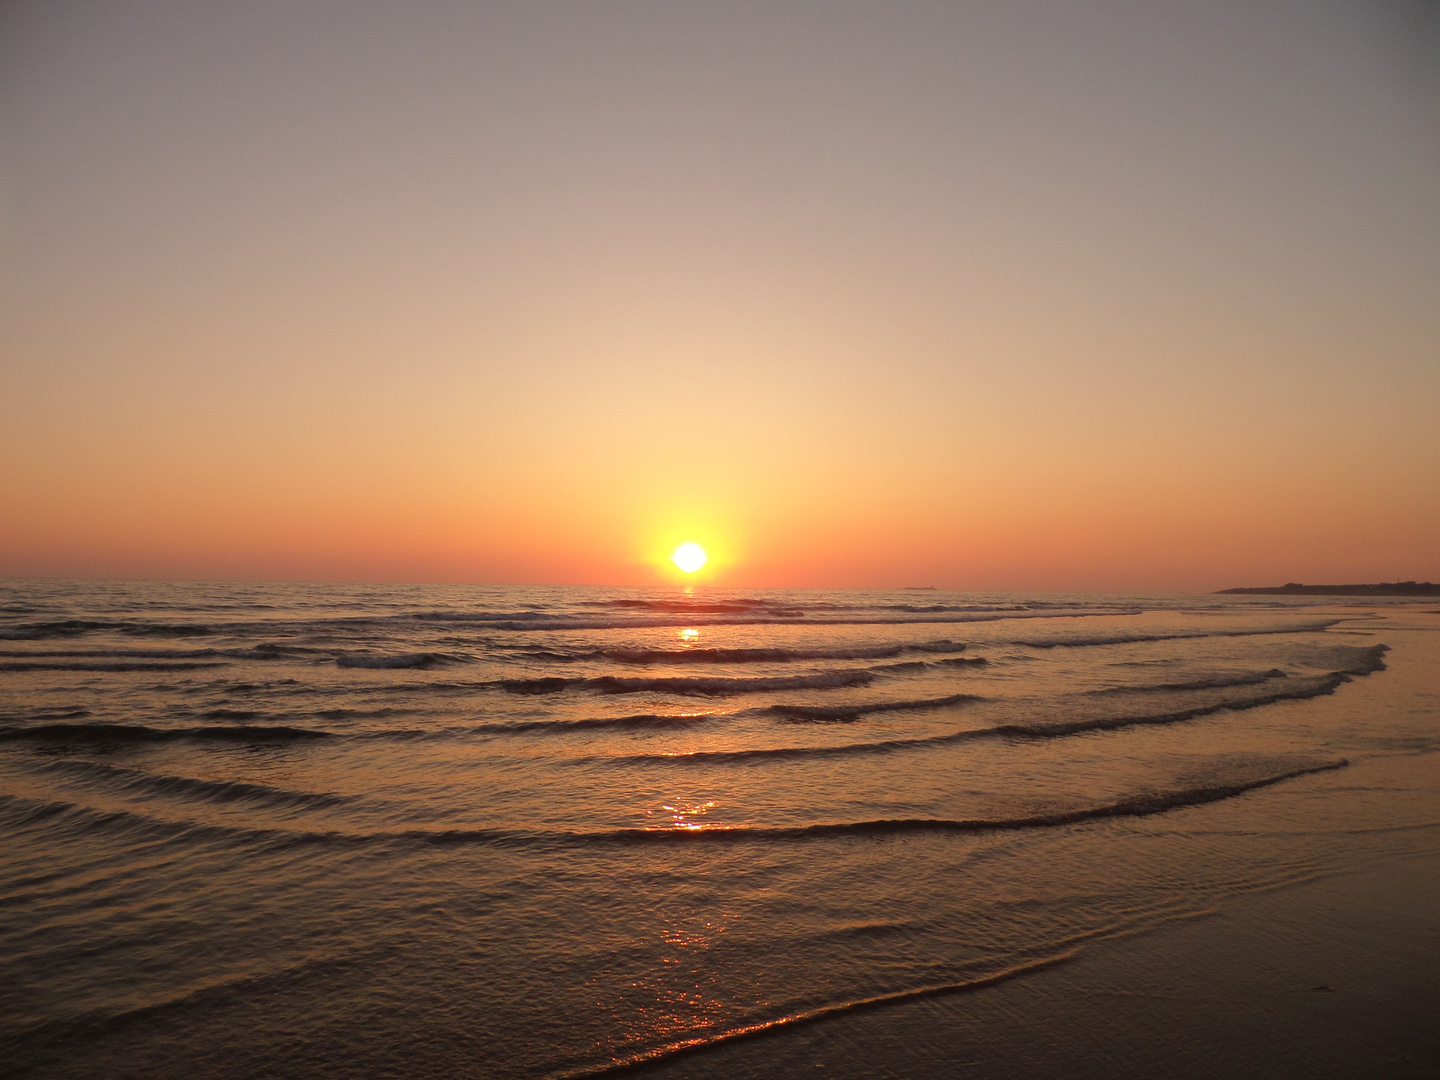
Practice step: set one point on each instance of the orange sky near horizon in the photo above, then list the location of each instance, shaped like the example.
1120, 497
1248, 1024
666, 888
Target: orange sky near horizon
1038, 296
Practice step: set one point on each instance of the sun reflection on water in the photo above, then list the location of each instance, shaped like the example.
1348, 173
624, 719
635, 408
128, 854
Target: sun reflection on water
681, 816
682, 997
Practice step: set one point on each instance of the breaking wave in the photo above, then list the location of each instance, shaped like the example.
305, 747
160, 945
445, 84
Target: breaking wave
1353, 659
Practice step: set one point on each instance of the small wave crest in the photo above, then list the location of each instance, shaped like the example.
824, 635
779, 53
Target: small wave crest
270, 650
103, 659
784, 753
109, 654
638, 722
397, 661
1293, 690
695, 686
113, 734
128, 781
69, 628
766, 655
108, 665
711, 1039
1216, 682
361, 714
1142, 804
1139, 805
1134, 639
840, 714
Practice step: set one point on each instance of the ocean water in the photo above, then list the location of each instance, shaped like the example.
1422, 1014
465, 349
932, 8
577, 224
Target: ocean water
363, 831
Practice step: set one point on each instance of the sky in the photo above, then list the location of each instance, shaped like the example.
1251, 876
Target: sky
1132, 295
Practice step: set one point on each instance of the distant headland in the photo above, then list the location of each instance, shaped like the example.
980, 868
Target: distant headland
1294, 588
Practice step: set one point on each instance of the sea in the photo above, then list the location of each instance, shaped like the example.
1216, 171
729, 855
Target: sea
457, 831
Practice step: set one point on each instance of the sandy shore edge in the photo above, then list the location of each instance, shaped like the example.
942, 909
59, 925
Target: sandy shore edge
1333, 977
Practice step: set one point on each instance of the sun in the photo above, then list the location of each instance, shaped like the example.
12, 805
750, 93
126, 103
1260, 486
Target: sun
689, 557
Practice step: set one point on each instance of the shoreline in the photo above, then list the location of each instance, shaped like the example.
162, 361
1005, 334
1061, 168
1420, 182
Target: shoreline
1334, 976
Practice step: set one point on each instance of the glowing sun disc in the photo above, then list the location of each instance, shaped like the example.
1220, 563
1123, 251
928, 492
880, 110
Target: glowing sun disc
689, 557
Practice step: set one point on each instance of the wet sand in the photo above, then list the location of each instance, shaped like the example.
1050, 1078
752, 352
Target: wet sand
1336, 977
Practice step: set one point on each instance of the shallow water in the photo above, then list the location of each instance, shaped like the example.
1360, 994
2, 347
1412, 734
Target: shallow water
371, 831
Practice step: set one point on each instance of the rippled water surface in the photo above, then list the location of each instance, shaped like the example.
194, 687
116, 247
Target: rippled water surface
370, 831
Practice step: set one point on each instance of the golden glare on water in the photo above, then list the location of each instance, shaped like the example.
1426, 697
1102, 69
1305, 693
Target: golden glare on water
689, 557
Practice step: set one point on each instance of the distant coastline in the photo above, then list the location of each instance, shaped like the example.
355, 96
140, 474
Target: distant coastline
1294, 588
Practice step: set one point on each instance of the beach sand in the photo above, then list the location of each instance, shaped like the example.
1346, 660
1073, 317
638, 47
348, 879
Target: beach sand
1336, 977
